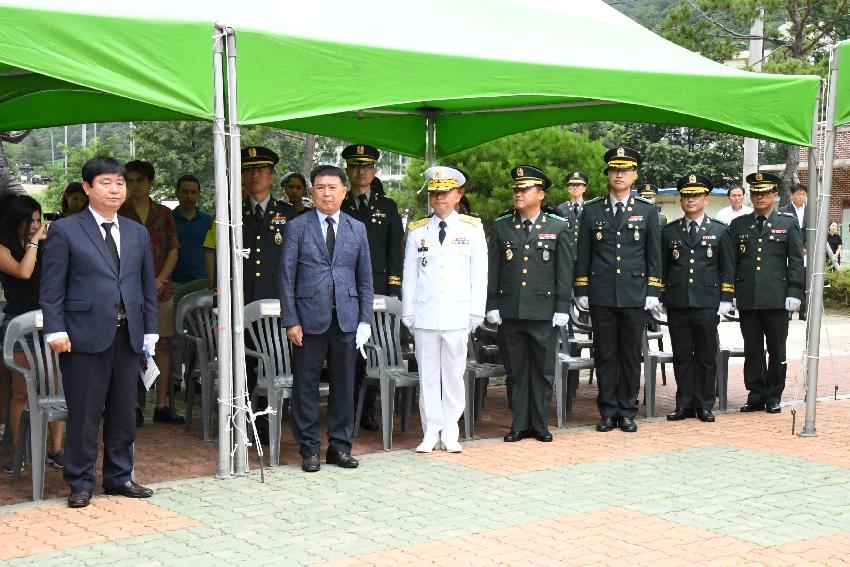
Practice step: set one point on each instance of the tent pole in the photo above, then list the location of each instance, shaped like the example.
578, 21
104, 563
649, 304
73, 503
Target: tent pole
222, 252
818, 254
813, 204
240, 462
431, 139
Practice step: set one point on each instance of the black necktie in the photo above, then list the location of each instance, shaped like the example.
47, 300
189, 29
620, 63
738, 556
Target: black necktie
618, 216
442, 231
760, 222
111, 246
330, 237
526, 224
575, 210
362, 208
258, 214
692, 233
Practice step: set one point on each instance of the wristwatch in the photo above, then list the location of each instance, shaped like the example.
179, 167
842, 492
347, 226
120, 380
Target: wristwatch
32, 244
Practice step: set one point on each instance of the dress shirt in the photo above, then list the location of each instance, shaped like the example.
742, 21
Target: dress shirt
801, 214
264, 204
324, 225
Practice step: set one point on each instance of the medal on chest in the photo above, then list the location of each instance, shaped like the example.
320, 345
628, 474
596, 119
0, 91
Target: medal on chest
422, 249
278, 238
637, 235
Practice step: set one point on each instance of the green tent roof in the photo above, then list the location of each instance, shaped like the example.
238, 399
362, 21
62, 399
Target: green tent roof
365, 71
842, 93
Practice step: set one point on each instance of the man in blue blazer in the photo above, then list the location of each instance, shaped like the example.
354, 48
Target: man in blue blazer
99, 302
326, 307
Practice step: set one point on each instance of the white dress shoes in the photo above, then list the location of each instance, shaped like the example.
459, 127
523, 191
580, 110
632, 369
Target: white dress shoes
428, 444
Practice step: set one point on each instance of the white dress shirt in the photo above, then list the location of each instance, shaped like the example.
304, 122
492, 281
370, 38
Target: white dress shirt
727, 214
263, 204
324, 225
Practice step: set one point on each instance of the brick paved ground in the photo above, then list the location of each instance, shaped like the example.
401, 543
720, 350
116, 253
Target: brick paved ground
740, 491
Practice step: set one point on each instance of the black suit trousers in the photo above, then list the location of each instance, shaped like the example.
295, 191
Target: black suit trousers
617, 339
693, 332
529, 353
338, 349
764, 383
100, 385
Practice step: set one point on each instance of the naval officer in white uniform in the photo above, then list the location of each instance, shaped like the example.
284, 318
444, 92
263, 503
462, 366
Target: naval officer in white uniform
444, 290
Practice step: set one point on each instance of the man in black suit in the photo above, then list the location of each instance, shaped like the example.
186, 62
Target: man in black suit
800, 209
379, 214
100, 312
326, 308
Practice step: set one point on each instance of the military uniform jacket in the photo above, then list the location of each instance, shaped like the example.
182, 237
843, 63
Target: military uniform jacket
529, 277
444, 284
384, 230
263, 241
566, 211
768, 264
697, 273
619, 266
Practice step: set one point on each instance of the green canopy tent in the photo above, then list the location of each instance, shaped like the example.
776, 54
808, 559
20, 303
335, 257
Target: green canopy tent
837, 113
383, 72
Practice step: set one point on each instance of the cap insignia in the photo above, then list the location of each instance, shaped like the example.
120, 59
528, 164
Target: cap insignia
692, 178
361, 150
759, 177
519, 172
621, 152
252, 152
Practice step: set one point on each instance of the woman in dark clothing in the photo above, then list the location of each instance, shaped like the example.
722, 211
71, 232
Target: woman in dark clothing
21, 233
74, 199
834, 241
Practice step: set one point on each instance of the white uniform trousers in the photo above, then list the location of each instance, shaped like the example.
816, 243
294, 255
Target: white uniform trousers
441, 356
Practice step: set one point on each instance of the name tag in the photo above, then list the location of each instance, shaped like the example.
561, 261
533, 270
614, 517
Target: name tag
546, 236
709, 237
779, 230
635, 218
460, 240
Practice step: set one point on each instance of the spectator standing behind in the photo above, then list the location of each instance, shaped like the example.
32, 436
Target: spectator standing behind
618, 277
326, 308
571, 210
21, 233
192, 225
698, 273
769, 277
73, 199
650, 192
736, 206
799, 209
444, 291
9, 183
294, 187
99, 302
383, 226
163, 238
834, 240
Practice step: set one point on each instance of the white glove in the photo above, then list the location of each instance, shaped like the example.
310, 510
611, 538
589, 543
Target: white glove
792, 304
364, 331
725, 307
583, 302
408, 321
560, 319
494, 317
149, 344
474, 322
651, 303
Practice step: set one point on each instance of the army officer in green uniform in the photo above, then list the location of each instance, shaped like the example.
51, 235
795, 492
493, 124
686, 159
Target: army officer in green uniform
618, 277
650, 192
528, 295
698, 274
768, 282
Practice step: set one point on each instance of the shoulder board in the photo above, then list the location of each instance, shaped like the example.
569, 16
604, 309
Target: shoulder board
792, 215
474, 221
718, 221
506, 216
642, 200
556, 217
594, 200
418, 223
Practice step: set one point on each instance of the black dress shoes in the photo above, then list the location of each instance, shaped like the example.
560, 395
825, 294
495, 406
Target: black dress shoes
705, 415
627, 424
751, 407
369, 423
607, 424
79, 499
311, 463
680, 414
344, 460
130, 489
773, 408
543, 436
514, 436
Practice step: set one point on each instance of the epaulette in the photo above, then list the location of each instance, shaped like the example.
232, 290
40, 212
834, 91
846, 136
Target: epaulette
556, 217
718, 221
594, 200
505, 216
474, 221
419, 223
792, 215
647, 201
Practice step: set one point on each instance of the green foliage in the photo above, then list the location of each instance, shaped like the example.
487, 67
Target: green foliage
557, 151
836, 293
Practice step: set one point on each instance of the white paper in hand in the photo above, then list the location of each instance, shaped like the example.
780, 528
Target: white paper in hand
148, 372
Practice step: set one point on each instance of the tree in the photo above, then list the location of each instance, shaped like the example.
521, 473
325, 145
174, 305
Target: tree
556, 150
796, 34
